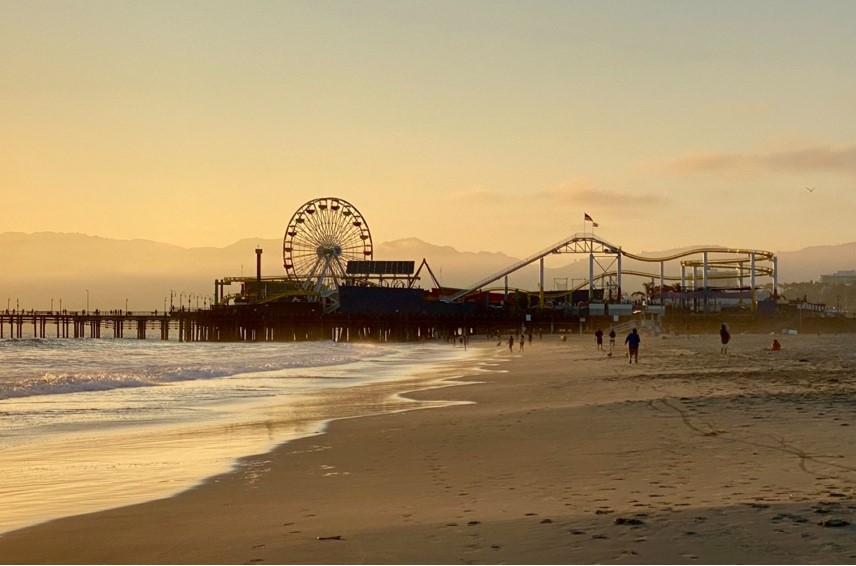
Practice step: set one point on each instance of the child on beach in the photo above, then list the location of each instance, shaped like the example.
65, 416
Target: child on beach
611, 339
633, 339
511, 343
599, 337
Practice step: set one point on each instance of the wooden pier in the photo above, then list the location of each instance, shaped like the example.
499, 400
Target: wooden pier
69, 324
233, 324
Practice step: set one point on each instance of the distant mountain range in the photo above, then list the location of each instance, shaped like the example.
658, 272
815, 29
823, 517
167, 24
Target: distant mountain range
41, 267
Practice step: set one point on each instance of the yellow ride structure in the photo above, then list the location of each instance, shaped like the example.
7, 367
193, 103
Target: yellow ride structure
698, 267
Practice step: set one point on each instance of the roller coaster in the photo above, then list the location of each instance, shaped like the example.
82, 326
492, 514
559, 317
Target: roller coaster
698, 268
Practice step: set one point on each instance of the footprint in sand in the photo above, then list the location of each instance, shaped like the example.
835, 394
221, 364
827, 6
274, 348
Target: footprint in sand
789, 517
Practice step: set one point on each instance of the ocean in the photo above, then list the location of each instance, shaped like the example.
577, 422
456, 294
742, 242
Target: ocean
91, 424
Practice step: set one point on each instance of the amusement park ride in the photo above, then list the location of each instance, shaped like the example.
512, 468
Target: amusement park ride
328, 246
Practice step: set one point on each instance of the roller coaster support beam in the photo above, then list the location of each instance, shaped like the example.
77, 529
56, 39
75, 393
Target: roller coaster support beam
753, 302
662, 278
696, 287
591, 276
618, 271
775, 275
704, 285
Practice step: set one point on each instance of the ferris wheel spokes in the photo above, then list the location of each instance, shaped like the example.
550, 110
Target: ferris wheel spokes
323, 235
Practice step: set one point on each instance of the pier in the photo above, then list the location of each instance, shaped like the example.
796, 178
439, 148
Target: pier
297, 322
250, 323
70, 324
333, 289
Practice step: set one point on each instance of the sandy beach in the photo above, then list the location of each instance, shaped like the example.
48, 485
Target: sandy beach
562, 454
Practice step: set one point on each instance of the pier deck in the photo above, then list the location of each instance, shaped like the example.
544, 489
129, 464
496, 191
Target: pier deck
248, 323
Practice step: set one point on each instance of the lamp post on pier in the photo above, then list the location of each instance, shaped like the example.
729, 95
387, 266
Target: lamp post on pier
87, 300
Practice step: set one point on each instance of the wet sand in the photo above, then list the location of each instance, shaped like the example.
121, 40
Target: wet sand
567, 456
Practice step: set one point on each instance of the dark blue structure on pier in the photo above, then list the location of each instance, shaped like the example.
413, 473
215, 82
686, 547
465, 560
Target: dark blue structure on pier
396, 301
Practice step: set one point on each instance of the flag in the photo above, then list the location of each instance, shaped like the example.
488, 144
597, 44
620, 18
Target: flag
594, 224
587, 218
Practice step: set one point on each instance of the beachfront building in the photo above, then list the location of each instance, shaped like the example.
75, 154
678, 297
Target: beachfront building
840, 278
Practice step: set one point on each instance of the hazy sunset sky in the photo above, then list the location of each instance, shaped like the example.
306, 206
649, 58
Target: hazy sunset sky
484, 125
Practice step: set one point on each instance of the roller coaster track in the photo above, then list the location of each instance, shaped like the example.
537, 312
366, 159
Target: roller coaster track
591, 244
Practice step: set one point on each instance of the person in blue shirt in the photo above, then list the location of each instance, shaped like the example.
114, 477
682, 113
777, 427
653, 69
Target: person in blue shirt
632, 342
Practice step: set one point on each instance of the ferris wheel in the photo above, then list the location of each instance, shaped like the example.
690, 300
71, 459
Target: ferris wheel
322, 236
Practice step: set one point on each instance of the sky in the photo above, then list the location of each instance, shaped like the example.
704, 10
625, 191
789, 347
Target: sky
482, 125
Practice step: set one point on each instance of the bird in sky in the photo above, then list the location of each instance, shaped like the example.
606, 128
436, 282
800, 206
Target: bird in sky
810, 189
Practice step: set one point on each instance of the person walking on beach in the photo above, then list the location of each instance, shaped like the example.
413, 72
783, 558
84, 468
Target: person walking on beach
511, 343
724, 337
522, 341
611, 339
632, 342
599, 337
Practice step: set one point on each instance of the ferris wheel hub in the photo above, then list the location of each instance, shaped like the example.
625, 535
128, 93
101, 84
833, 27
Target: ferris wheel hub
328, 251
